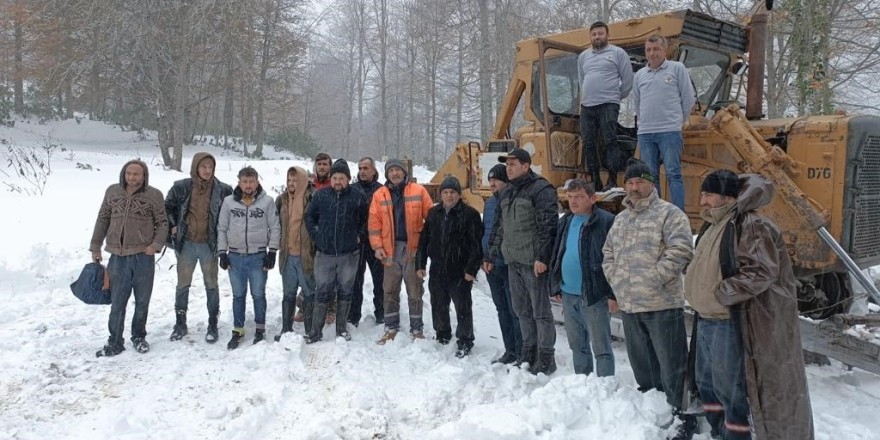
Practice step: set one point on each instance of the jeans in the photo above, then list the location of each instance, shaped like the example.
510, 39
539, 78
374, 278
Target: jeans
293, 277
459, 292
586, 325
335, 273
189, 255
720, 378
377, 271
598, 126
131, 273
656, 344
668, 144
499, 284
403, 268
531, 302
247, 269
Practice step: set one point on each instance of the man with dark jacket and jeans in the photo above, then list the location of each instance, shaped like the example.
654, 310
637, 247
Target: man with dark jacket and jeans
336, 219
132, 221
749, 366
368, 182
525, 227
193, 208
577, 273
248, 235
451, 238
296, 256
496, 274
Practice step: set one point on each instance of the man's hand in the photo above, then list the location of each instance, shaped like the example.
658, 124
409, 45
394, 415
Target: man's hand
468, 277
96, 256
380, 254
557, 297
612, 306
539, 268
269, 261
421, 273
150, 251
487, 267
224, 261
174, 230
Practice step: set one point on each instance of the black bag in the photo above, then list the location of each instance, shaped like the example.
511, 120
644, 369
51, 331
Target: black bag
92, 287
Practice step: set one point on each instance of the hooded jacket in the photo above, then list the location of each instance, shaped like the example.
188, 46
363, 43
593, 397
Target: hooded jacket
452, 239
526, 218
382, 219
591, 238
130, 223
646, 252
760, 291
177, 204
248, 229
337, 220
282, 202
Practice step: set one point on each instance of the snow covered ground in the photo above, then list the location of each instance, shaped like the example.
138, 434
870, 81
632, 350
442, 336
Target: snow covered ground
52, 386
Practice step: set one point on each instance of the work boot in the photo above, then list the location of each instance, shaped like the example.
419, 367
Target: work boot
141, 345
286, 318
546, 364
259, 335
211, 336
686, 429
317, 331
388, 336
179, 326
110, 350
417, 334
529, 356
237, 336
342, 308
464, 349
505, 359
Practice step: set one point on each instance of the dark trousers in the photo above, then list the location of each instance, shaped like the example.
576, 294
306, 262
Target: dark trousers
334, 274
656, 344
377, 272
131, 273
499, 284
459, 292
721, 378
599, 135
190, 254
531, 302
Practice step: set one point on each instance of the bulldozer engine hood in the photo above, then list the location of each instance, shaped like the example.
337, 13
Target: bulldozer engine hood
755, 191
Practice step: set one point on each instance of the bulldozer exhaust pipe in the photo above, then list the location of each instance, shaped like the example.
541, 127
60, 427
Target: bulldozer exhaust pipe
757, 59
850, 264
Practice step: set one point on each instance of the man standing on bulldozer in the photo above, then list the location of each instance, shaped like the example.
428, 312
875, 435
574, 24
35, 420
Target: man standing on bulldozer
605, 76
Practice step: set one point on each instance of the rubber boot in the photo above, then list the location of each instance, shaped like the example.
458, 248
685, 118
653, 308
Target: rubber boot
342, 308
317, 331
308, 307
286, 317
211, 335
179, 326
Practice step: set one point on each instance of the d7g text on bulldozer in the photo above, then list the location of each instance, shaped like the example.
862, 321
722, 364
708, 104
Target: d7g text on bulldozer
826, 169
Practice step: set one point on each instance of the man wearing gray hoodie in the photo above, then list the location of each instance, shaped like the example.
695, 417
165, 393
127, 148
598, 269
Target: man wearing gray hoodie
132, 222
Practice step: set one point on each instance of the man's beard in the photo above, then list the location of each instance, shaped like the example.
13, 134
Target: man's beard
600, 44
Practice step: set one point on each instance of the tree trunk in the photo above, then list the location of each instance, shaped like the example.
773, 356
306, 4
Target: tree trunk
18, 65
485, 76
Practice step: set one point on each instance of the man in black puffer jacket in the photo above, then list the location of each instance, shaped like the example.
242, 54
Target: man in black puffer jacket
368, 182
452, 238
336, 219
193, 207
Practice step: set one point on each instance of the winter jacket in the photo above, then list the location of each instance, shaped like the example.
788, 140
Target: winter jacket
381, 224
177, 205
488, 222
248, 229
130, 223
337, 220
760, 289
646, 251
368, 187
592, 237
452, 240
308, 246
525, 221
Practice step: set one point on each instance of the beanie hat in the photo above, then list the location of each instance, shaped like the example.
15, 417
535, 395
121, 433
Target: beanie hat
498, 172
723, 182
638, 169
394, 163
340, 166
451, 182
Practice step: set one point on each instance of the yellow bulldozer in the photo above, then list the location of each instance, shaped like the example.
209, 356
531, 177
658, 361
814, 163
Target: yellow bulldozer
826, 168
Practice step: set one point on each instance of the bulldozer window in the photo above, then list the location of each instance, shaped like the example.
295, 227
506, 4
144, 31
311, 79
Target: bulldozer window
708, 71
562, 86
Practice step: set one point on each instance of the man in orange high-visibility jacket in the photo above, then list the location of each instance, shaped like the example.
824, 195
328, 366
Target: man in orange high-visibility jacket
397, 217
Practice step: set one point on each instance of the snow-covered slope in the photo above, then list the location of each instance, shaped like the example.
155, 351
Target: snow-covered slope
52, 386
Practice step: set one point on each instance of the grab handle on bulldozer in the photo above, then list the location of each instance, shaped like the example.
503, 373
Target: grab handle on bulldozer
850, 264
